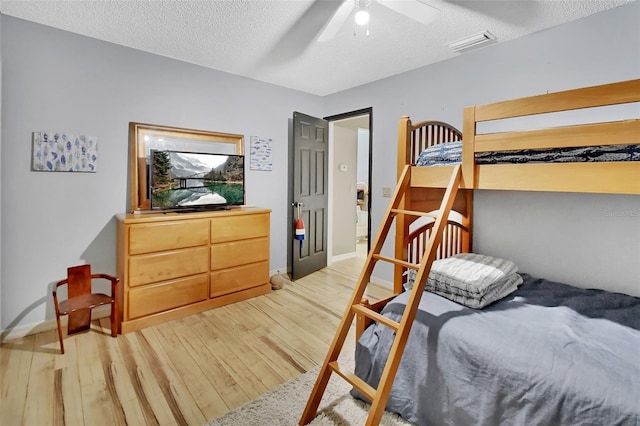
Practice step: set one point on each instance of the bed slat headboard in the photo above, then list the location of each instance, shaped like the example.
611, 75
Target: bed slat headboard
452, 243
423, 135
455, 240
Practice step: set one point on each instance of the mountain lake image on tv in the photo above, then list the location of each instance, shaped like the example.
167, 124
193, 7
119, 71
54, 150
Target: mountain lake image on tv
195, 181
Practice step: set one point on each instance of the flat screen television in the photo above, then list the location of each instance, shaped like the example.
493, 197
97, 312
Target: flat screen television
190, 181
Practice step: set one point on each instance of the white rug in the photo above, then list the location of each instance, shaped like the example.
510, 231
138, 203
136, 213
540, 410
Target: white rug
283, 406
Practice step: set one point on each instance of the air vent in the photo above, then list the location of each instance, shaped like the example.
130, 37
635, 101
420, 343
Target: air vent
472, 42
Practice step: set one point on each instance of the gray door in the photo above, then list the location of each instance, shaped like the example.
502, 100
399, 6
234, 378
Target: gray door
310, 159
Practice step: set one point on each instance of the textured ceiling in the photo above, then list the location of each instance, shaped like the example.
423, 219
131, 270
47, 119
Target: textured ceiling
275, 41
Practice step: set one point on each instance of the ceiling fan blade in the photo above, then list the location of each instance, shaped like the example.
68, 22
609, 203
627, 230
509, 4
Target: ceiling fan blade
337, 20
414, 9
301, 34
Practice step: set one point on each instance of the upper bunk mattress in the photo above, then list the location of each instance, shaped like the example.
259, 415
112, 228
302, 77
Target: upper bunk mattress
450, 153
548, 354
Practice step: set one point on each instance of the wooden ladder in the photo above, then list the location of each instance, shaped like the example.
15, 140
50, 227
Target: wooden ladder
379, 396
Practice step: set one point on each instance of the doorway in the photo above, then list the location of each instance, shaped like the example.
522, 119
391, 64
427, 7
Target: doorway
321, 238
350, 173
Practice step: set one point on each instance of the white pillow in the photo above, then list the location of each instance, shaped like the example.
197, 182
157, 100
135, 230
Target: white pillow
473, 280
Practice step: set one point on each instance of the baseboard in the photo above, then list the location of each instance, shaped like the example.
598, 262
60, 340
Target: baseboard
26, 330
282, 270
381, 283
345, 256
47, 325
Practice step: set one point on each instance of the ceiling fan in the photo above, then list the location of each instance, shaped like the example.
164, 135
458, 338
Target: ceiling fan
413, 9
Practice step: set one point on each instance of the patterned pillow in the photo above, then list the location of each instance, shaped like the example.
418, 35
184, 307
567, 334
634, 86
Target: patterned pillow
441, 154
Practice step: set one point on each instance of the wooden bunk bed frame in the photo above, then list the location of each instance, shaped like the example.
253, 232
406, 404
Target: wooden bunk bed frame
427, 183
612, 178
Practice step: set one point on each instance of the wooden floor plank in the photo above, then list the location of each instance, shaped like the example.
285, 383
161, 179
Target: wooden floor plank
141, 401
40, 399
183, 372
17, 356
67, 390
201, 390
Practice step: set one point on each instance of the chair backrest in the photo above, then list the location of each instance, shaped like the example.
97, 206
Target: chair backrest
79, 279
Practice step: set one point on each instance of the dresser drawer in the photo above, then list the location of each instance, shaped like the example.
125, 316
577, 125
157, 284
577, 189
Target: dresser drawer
160, 297
225, 255
240, 227
227, 281
156, 267
155, 237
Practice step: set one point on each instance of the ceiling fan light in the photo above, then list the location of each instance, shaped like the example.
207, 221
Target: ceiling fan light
362, 17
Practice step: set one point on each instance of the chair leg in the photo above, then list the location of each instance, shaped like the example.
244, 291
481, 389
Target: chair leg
60, 334
114, 320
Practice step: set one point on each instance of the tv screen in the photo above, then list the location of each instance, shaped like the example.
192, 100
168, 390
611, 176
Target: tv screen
195, 181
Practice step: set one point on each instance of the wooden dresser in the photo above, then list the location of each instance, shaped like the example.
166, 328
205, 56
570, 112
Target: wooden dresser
172, 265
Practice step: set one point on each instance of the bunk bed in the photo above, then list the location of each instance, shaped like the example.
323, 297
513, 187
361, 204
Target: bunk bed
617, 177
543, 352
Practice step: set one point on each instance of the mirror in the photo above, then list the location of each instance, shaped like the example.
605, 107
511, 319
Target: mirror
145, 137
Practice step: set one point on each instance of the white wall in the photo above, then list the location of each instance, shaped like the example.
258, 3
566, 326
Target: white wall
0, 170
344, 190
575, 238
54, 80
363, 155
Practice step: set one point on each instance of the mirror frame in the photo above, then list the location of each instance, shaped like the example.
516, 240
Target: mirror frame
139, 200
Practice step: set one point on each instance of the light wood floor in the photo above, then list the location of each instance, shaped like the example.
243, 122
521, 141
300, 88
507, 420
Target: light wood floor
183, 372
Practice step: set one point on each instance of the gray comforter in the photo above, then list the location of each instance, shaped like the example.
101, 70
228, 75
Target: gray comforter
548, 354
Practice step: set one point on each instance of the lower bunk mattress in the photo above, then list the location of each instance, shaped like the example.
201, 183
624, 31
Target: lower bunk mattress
548, 354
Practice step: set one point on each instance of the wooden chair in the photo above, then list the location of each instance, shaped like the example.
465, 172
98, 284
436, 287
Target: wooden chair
81, 299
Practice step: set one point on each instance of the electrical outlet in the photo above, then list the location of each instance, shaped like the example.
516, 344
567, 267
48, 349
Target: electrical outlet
386, 192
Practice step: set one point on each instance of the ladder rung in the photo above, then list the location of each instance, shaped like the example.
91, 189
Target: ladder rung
398, 262
414, 213
354, 380
376, 316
